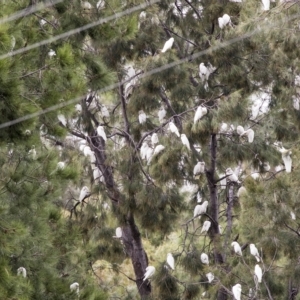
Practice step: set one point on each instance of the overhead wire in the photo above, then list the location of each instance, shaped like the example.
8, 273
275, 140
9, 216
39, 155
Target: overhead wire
221, 45
29, 10
78, 29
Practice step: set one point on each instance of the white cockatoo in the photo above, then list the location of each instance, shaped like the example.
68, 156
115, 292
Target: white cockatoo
203, 72
87, 151
22, 271
223, 21
185, 141
143, 150
286, 156
97, 174
32, 152
62, 119
84, 193
204, 258
74, 287
199, 198
168, 45
254, 252
241, 191
258, 273
293, 216
142, 117
161, 114
200, 112
78, 108
171, 261
154, 138
200, 209
157, 150
242, 132
51, 53
210, 276
174, 129
86, 5
232, 176
150, 270
237, 248
101, 132
296, 102
60, 165
237, 291
199, 168
118, 233
205, 227
224, 128
104, 111
266, 4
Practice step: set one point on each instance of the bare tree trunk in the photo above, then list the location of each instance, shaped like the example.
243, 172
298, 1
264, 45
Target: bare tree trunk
130, 233
134, 248
214, 211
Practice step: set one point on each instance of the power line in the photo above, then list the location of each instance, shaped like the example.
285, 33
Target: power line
79, 29
151, 72
29, 10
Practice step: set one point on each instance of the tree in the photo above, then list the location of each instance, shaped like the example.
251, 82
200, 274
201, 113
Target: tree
232, 72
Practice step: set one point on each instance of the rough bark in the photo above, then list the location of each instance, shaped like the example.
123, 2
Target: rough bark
214, 211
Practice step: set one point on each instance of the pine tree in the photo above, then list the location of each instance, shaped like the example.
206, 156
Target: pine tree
231, 73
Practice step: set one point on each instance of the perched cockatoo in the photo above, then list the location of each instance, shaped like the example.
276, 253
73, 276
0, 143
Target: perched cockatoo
86, 5
62, 119
101, 132
51, 53
237, 290
74, 287
296, 103
104, 111
223, 128
97, 174
161, 114
78, 108
32, 152
60, 165
293, 216
157, 150
266, 4
168, 45
143, 150
237, 248
199, 198
241, 191
200, 209
232, 176
210, 277
286, 157
200, 112
242, 132
258, 273
204, 258
84, 193
22, 271
205, 227
142, 117
118, 233
87, 151
154, 138
203, 72
174, 129
185, 141
150, 270
171, 261
254, 252
199, 168
223, 21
